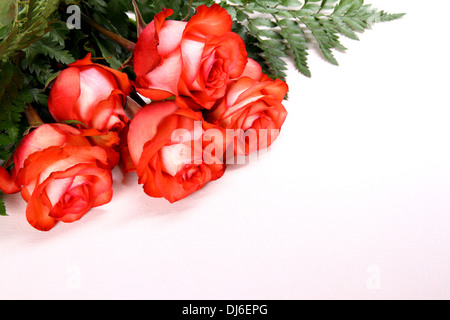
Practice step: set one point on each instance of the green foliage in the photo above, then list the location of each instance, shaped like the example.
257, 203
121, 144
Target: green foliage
275, 30
7, 14
36, 44
2, 208
111, 15
13, 100
181, 8
283, 28
31, 22
27, 45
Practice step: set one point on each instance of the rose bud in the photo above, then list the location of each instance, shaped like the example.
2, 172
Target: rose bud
192, 60
90, 93
61, 175
252, 112
93, 95
175, 152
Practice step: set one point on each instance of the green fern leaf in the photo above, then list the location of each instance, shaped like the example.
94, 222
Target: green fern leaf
279, 28
30, 24
2, 208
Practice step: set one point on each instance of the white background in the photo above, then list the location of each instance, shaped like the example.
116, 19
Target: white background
352, 202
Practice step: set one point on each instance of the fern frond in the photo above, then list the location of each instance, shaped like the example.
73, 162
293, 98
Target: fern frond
30, 24
2, 208
297, 43
279, 26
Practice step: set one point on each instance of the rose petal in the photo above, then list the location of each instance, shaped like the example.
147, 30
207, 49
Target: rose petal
7, 182
146, 56
120, 77
252, 70
38, 214
163, 80
64, 94
42, 164
232, 49
105, 116
144, 126
209, 21
43, 137
170, 36
57, 188
192, 52
169, 187
103, 198
96, 85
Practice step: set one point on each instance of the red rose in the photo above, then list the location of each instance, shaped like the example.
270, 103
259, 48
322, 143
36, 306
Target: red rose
61, 174
90, 93
171, 152
193, 60
94, 95
253, 111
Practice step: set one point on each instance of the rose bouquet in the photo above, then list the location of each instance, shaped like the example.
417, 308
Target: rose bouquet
201, 84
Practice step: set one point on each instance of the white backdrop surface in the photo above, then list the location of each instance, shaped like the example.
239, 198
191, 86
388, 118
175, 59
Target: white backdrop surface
352, 201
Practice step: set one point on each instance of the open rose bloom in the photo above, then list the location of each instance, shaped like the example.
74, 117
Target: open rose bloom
252, 112
192, 60
173, 157
60, 174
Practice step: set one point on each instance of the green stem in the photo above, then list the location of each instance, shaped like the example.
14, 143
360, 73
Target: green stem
129, 45
33, 118
189, 10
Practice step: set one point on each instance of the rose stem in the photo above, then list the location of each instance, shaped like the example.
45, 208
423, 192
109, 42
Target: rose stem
33, 118
189, 10
132, 108
130, 46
